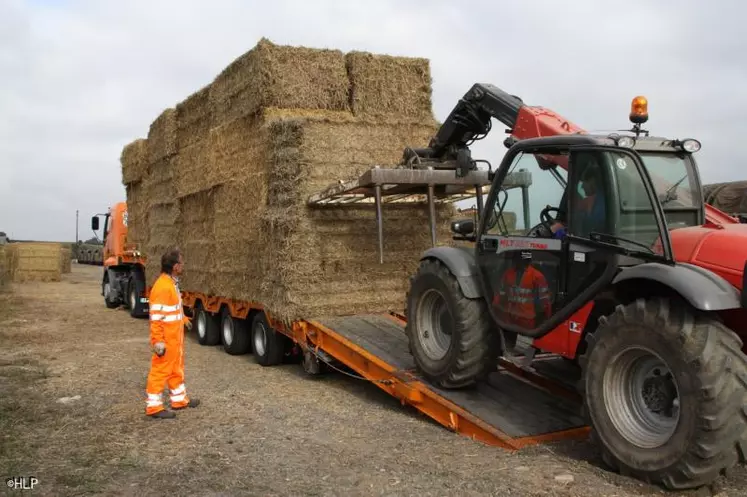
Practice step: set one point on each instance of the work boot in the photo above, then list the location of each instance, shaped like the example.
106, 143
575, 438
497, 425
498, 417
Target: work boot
192, 403
165, 414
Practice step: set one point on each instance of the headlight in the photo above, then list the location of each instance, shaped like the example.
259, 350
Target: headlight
626, 141
691, 145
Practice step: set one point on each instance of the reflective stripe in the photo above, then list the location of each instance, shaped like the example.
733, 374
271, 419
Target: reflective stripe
165, 308
153, 403
178, 398
154, 396
156, 317
173, 317
179, 390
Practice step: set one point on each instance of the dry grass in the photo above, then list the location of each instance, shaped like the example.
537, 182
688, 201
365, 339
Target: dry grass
271, 75
389, 88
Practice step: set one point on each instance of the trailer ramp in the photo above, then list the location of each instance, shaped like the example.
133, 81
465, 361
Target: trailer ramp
511, 409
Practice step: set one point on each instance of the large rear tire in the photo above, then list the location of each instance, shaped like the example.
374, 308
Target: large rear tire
234, 333
450, 336
665, 393
207, 326
268, 344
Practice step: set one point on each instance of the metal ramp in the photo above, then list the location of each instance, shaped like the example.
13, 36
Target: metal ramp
511, 409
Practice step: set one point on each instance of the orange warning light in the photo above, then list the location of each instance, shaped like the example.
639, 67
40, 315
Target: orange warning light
639, 110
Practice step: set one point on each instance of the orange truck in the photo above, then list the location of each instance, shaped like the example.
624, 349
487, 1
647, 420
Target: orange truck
123, 281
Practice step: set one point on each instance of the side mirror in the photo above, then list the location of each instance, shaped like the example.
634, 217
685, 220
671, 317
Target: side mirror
95, 223
463, 227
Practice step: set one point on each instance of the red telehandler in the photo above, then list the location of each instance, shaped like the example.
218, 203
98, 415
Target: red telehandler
627, 273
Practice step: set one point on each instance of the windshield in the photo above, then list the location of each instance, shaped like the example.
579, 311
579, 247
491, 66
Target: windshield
673, 179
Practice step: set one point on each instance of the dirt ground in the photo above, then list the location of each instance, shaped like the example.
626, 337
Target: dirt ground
259, 431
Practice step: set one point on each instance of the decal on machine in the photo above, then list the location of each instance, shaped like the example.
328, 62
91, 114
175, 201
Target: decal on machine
574, 326
506, 244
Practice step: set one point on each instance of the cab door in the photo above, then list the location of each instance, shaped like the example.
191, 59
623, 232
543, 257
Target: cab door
535, 280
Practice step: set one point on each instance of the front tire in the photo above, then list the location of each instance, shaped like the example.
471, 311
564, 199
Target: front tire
665, 393
450, 336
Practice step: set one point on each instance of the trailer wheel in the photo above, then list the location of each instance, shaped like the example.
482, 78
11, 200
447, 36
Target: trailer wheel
450, 336
234, 333
665, 393
268, 344
208, 332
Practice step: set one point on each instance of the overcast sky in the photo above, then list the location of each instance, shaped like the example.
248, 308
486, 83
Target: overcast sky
81, 78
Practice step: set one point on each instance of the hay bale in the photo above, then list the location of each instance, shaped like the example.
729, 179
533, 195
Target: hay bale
134, 160
384, 87
65, 260
272, 75
196, 239
730, 197
35, 262
137, 213
193, 118
162, 136
160, 184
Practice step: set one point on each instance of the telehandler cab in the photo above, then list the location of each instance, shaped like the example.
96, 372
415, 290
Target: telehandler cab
625, 272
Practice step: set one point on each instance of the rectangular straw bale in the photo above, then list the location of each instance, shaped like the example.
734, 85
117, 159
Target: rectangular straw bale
236, 151
65, 260
384, 87
35, 262
271, 75
162, 224
160, 183
162, 136
193, 118
191, 169
4, 268
134, 161
137, 213
196, 240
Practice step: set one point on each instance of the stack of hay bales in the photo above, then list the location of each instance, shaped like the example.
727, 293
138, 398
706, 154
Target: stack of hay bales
730, 197
277, 125
66, 256
35, 262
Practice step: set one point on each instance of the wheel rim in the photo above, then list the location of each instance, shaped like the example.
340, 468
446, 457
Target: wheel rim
641, 397
227, 331
133, 299
260, 339
434, 324
107, 290
201, 323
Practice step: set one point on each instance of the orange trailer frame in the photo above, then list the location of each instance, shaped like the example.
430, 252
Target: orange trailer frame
405, 385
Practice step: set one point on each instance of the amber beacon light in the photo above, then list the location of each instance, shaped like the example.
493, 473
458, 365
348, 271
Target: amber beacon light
639, 110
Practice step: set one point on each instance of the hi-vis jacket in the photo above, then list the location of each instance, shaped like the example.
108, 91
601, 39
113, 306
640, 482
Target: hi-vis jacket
523, 297
167, 317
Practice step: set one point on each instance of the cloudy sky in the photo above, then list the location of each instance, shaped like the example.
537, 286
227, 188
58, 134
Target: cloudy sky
81, 78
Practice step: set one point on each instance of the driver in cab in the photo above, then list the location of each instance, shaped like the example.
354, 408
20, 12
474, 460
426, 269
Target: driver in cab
590, 213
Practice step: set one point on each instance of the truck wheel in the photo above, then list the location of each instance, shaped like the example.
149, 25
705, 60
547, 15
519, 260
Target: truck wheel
665, 393
208, 332
106, 290
135, 289
267, 343
235, 334
450, 336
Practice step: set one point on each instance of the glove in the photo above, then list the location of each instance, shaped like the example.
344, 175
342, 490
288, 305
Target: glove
560, 234
159, 349
188, 325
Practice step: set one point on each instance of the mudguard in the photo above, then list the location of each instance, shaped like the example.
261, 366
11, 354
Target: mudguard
703, 289
461, 262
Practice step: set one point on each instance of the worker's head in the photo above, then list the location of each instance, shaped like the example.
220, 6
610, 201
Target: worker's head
590, 169
172, 262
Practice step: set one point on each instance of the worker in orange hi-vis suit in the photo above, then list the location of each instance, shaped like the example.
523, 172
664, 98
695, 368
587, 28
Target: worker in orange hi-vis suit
167, 323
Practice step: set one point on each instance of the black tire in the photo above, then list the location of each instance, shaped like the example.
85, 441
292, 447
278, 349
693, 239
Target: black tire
106, 291
268, 345
709, 434
234, 334
206, 326
473, 348
135, 289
